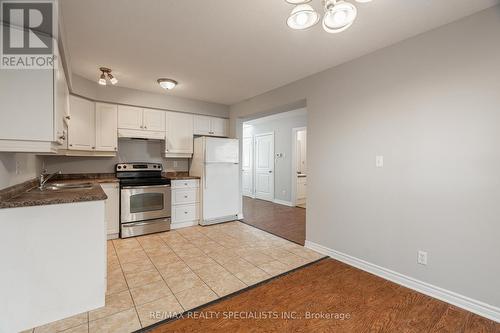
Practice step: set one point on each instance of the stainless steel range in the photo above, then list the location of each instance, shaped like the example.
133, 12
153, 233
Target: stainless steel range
145, 199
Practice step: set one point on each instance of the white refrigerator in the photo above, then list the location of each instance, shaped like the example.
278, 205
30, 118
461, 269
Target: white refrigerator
216, 162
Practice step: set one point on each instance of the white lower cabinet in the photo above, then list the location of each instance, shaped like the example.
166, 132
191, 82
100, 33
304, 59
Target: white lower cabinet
185, 203
112, 209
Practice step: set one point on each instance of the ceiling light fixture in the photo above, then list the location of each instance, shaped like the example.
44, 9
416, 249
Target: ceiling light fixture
167, 84
302, 17
339, 15
106, 74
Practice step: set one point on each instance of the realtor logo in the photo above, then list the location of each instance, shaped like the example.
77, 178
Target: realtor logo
28, 34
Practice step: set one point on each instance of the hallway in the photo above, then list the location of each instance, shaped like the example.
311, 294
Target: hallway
286, 222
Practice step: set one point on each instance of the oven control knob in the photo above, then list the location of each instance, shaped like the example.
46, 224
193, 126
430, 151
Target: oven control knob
119, 167
124, 166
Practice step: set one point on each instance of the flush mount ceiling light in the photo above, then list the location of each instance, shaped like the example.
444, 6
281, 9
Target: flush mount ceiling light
106, 74
167, 84
302, 17
339, 15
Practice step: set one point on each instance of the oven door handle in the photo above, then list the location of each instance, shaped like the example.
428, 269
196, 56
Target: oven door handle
138, 224
144, 187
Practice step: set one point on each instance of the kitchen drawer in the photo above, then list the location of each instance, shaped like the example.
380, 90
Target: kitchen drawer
185, 196
188, 183
183, 213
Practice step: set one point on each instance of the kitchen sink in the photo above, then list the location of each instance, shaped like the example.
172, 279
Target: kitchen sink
65, 186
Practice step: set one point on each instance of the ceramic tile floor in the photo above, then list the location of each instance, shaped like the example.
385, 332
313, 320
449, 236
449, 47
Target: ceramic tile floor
156, 276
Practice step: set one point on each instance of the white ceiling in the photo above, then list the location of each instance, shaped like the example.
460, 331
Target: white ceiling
226, 51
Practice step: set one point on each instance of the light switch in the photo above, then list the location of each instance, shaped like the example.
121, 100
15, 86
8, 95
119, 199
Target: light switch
379, 161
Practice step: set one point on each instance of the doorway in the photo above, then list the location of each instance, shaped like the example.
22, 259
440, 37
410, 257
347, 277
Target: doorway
268, 151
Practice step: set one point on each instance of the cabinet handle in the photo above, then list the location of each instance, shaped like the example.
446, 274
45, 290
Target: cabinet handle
62, 137
71, 145
185, 212
185, 184
93, 147
68, 117
116, 149
185, 197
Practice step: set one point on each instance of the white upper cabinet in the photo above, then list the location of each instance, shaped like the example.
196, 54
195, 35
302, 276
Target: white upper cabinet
202, 125
33, 103
179, 135
81, 127
153, 120
130, 117
212, 126
138, 122
106, 127
92, 128
219, 126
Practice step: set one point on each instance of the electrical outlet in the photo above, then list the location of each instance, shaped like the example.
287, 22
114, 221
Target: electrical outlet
283, 192
422, 258
176, 164
379, 161
18, 167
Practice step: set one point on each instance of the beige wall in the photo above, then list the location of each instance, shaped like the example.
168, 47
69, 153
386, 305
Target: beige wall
431, 106
121, 95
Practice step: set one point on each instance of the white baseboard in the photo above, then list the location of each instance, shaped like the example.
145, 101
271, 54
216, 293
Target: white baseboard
283, 202
464, 302
181, 225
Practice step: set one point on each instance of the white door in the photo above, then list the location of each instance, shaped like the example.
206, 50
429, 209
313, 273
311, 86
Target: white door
179, 138
154, 120
202, 125
129, 117
246, 167
81, 127
219, 126
106, 122
264, 166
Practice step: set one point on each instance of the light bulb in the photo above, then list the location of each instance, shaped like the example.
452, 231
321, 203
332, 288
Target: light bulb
302, 17
102, 80
112, 79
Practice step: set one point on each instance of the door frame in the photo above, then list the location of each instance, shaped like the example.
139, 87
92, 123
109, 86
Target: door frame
255, 160
252, 166
294, 178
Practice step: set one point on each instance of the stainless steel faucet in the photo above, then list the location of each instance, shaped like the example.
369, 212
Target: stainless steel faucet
44, 177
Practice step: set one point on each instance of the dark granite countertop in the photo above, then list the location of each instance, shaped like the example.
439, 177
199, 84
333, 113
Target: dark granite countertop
30, 195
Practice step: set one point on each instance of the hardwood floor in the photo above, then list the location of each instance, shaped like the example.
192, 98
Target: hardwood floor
280, 220
330, 287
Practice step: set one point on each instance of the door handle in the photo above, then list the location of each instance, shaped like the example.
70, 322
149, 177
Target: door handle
270, 171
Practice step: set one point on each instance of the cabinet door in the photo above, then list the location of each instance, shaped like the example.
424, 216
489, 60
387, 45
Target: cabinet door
112, 208
179, 136
61, 104
106, 127
81, 127
154, 120
202, 125
219, 126
129, 117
